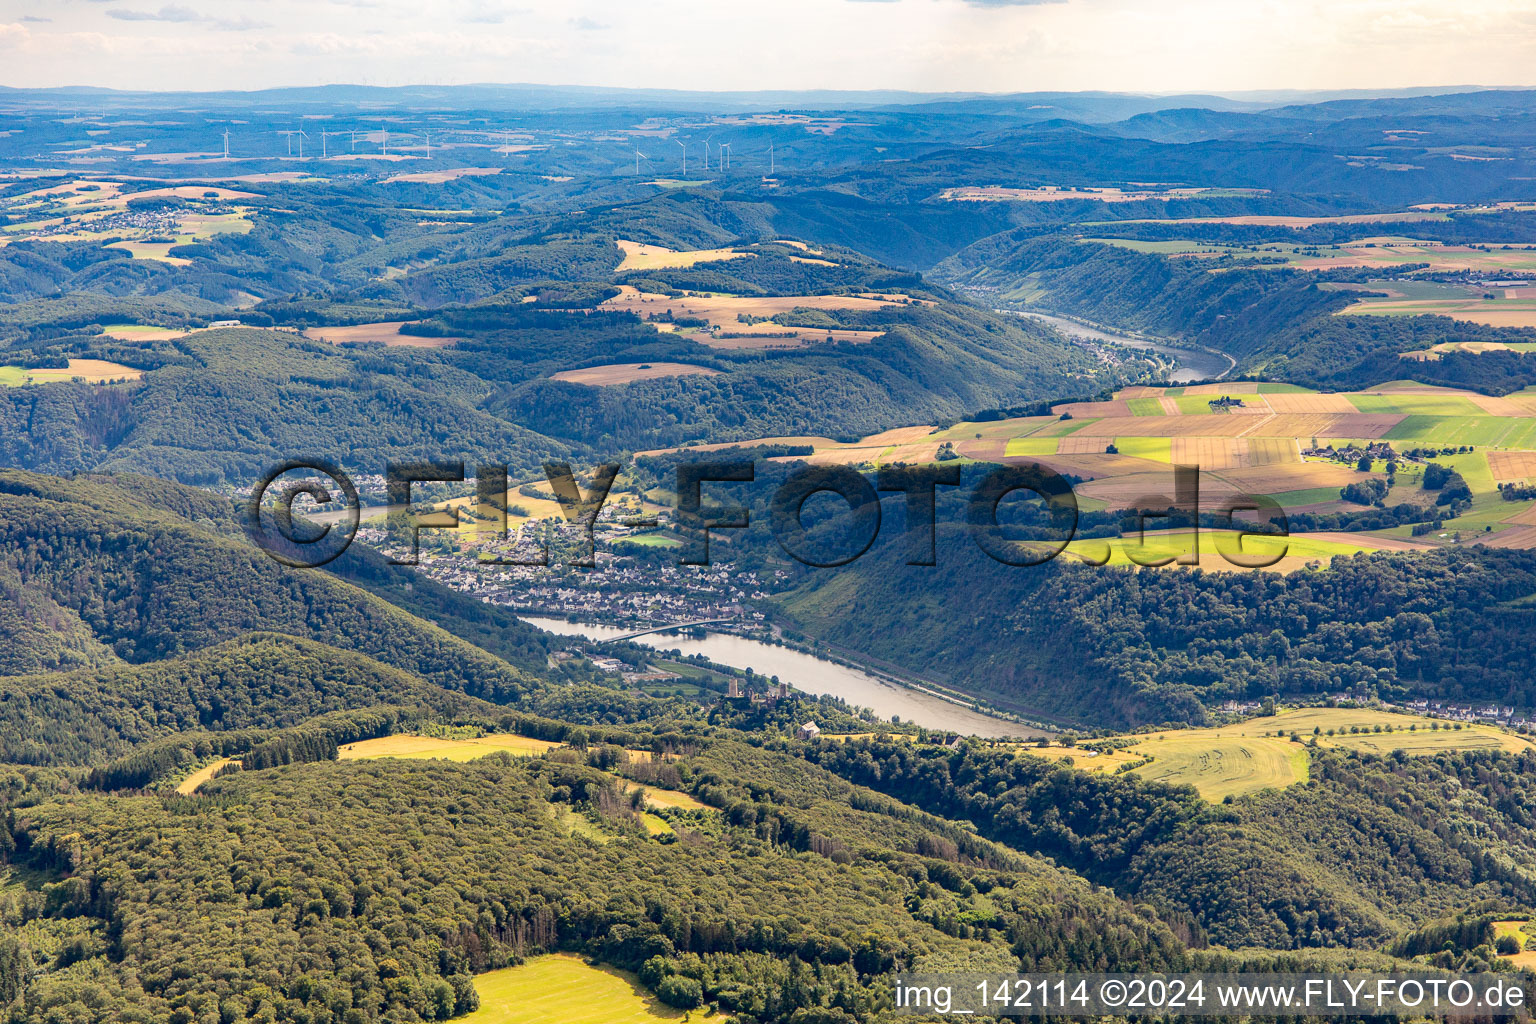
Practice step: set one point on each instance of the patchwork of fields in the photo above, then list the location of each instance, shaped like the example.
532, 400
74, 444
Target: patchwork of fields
1249, 438
1258, 754
745, 322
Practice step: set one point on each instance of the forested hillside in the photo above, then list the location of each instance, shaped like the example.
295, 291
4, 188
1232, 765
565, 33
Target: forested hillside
1146, 645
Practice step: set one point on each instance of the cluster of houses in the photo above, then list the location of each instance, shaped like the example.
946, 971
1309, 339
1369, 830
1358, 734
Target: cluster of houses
1353, 453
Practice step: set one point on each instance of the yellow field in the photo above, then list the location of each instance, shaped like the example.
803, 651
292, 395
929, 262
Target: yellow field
624, 373
639, 256
140, 332
1258, 754
191, 782
563, 989
663, 799
422, 747
93, 371
160, 252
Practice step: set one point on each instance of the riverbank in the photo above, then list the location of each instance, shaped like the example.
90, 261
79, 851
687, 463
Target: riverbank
1197, 362
817, 674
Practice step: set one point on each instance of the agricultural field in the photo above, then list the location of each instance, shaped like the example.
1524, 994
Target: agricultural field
640, 256
744, 322
1123, 449
1522, 931
1224, 550
92, 371
565, 989
1258, 754
625, 373
427, 747
384, 333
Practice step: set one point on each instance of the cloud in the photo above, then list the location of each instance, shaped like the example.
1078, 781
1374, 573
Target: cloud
13, 35
170, 12
34, 18
585, 24
238, 24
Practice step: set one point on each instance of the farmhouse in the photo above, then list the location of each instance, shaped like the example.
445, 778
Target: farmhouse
808, 731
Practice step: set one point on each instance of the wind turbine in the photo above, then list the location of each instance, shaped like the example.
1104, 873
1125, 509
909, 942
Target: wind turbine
290, 135
770, 158
685, 156
226, 143
706, 154
354, 140
323, 151
725, 150
385, 145
429, 144
638, 157
302, 136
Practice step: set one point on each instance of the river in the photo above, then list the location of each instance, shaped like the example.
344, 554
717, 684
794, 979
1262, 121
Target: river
810, 674
1194, 363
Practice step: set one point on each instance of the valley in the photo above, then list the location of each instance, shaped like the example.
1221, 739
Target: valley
507, 759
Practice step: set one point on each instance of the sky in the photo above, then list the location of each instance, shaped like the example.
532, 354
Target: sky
1157, 46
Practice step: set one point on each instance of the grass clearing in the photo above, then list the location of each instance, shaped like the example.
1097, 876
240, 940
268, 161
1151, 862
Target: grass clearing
564, 989
425, 747
663, 799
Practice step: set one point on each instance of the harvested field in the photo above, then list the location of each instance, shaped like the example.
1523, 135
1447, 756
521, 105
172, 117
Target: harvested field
1272, 451
1295, 476
1321, 425
1087, 410
421, 747
625, 373
640, 256
1210, 452
766, 336
1337, 404
1237, 387
1516, 467
726, 313
141, 332
94, 371
384, 333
